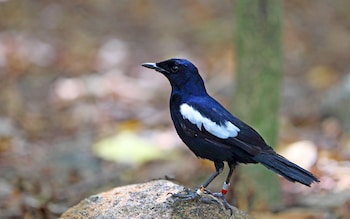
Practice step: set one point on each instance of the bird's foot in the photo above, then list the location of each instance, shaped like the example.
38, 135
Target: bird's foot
188, 195
221, 196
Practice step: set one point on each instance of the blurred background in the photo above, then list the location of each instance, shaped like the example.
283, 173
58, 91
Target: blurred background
79, 115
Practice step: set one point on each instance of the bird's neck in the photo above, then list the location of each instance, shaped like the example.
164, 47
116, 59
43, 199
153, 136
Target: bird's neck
191, 88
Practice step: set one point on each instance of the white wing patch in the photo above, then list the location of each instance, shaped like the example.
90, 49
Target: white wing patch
221, 131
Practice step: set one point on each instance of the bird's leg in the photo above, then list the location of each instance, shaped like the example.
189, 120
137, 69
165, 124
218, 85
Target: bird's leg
192, 195
228, 178
219, 168
225, 187
197, 194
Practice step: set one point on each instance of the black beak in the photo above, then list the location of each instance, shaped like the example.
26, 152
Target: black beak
155, 67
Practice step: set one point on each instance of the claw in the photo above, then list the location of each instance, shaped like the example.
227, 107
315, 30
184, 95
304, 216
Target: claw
188, 195
195, 195
224, 201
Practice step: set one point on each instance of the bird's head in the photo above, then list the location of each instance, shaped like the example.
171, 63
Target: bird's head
181, 73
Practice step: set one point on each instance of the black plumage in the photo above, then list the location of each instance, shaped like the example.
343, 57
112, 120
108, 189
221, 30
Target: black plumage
213, 133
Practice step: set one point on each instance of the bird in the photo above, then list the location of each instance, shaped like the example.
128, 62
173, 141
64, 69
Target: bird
211, 132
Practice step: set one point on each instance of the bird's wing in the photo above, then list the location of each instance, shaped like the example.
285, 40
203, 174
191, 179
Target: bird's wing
211, 121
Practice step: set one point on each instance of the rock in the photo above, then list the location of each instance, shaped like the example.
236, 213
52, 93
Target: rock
147, 200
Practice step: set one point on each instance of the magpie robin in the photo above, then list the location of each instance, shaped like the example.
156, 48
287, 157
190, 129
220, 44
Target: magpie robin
211, 132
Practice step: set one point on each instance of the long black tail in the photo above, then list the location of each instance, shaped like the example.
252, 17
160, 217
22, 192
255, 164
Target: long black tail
285, 168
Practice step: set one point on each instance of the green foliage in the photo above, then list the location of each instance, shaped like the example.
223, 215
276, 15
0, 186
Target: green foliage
127, 147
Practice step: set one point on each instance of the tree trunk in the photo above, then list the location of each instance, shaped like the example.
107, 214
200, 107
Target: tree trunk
258, 47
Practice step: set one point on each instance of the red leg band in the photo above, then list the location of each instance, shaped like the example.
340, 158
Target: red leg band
224, 188
223, 191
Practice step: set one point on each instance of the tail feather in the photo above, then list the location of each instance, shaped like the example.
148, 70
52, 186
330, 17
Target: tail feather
285, 168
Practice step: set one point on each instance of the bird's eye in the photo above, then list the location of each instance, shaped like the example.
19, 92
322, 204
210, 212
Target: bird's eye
174, 68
